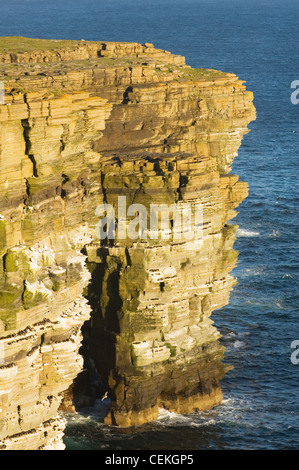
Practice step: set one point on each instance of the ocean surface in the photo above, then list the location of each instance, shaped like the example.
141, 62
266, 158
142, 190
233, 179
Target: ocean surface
258, 41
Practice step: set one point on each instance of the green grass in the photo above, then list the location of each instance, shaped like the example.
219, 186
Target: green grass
187, 73
13, 72
15, 44
19, 44
203, 74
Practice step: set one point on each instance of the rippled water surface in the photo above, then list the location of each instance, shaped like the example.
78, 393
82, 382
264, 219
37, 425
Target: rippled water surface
257, 40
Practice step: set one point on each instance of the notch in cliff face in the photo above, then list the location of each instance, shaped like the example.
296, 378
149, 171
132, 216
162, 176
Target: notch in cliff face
122, 119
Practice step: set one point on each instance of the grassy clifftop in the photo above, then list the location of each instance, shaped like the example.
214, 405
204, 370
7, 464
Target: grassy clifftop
19, 44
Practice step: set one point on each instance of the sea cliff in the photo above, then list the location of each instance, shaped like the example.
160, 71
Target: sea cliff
81, 124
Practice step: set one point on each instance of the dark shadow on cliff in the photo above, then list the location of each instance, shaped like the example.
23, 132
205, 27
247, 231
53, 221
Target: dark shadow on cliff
99, 334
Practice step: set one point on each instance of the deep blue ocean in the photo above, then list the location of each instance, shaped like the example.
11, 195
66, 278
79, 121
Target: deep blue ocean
258, 41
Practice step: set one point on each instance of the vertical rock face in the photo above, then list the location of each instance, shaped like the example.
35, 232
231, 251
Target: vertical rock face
154, 297
45, 195
130, 121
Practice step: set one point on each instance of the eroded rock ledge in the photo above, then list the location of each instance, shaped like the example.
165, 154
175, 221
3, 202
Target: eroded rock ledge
83, 123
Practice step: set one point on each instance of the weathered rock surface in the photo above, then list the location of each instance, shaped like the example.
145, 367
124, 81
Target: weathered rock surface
153, 298
83, 124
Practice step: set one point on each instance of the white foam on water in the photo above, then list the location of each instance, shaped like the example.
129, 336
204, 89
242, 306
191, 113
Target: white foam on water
275, 234
254, 271
77, 418
238, 344
207, 422
226, 401
243, 233
230, 335
278, 303
169, 418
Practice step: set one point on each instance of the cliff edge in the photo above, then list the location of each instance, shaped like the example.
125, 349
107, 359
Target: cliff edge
82, 124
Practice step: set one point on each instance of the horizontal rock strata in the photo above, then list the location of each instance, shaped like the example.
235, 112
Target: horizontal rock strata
82, 124
154, 297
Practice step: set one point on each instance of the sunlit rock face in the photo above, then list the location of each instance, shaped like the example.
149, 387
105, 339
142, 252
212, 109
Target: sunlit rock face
82, 126
153, 297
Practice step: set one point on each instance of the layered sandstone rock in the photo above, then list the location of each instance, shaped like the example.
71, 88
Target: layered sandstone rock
99, 121
21, 50
154, 296
48, 190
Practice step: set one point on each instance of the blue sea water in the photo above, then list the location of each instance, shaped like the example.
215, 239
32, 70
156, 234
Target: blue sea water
258, 41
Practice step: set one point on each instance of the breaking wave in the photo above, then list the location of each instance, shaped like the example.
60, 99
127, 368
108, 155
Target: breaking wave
243, 233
